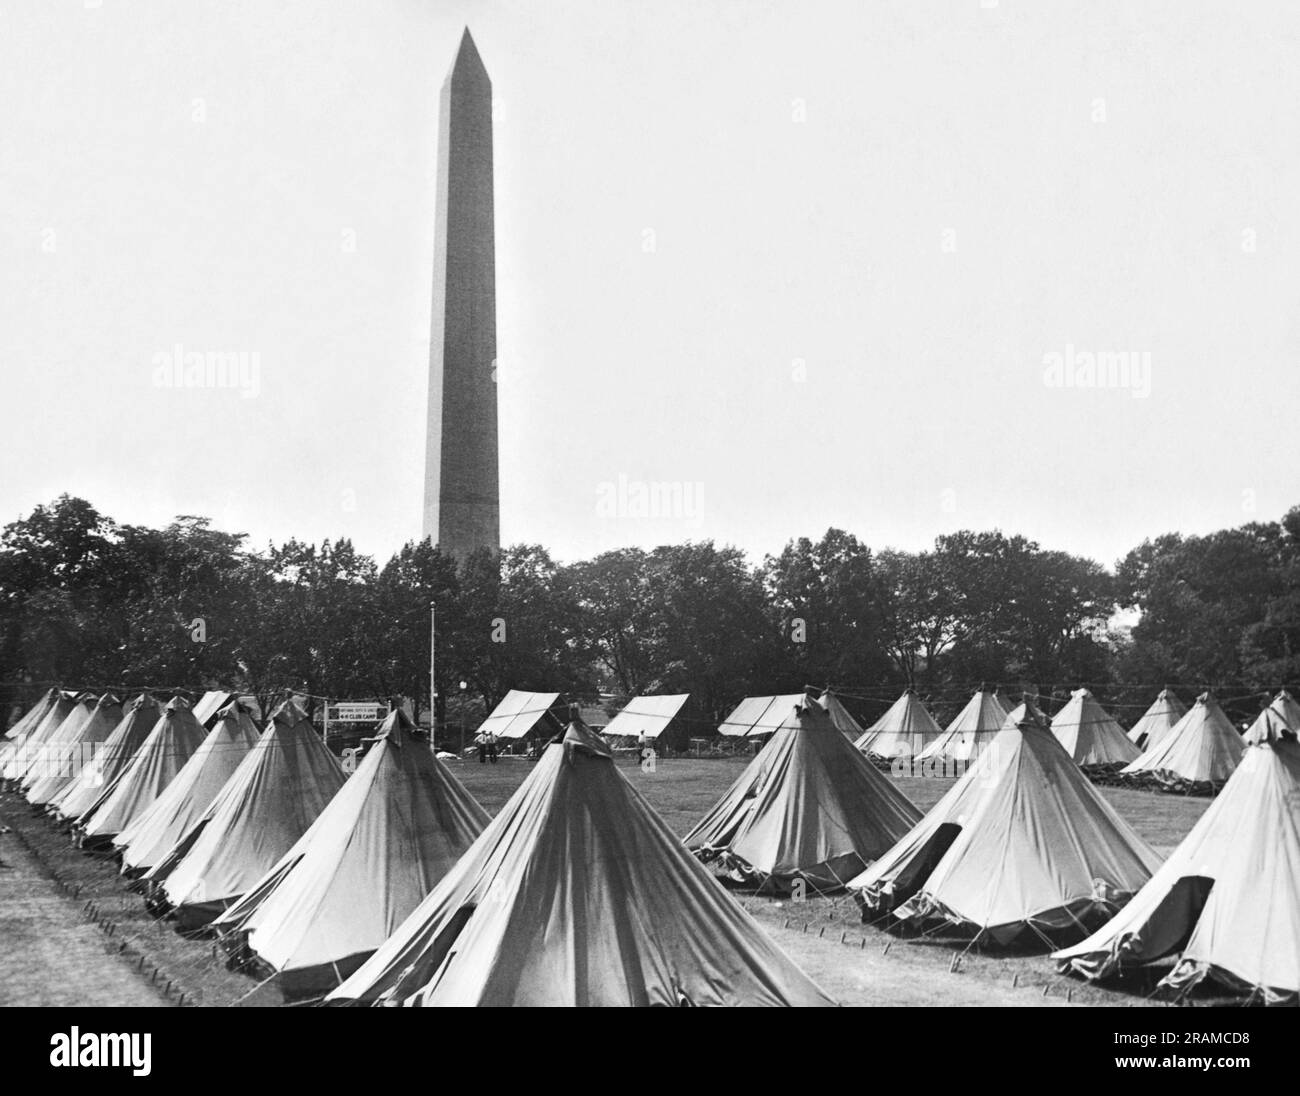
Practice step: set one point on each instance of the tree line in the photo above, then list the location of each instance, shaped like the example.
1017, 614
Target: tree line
86, 601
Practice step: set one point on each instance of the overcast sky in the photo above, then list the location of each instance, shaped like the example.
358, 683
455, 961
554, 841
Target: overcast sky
808, 261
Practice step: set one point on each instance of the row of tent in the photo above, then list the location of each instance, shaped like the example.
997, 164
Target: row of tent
1023, 844
1170, 747
576, 893
395, 888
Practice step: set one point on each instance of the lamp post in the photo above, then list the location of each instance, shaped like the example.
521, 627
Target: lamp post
433, 679
463, 686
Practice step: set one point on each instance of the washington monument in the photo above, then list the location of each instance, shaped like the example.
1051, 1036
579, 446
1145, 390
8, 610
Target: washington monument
462, 508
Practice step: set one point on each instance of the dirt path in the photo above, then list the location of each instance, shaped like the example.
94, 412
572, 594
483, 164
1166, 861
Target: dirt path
51, 956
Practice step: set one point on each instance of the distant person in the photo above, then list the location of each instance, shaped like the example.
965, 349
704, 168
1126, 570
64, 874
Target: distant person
641, 745
481, 742
492, 747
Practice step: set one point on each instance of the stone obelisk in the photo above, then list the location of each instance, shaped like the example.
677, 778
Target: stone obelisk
462, 508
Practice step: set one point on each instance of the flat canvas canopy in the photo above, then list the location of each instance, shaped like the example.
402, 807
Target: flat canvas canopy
518, 713
209, 704
759, 715
646, 715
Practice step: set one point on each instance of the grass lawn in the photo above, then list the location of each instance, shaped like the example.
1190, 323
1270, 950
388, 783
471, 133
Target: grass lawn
855, 963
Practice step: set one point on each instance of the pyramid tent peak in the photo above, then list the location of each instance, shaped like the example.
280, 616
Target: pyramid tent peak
578, 736
287, 713
1269, 726
396, 724
1028, 715
1286, 706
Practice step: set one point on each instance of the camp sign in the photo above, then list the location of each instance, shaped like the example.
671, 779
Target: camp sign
351, 711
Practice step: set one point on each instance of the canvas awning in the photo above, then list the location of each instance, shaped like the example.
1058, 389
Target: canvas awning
518, 714
646, 715
757, 715
210, 703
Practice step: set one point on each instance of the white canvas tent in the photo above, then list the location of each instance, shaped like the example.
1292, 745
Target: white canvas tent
1158, 720
645, 715
1090, 735
970, 732
904, 731
758, 715
577, 893
1227, 901
1022, 844
1198, 754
